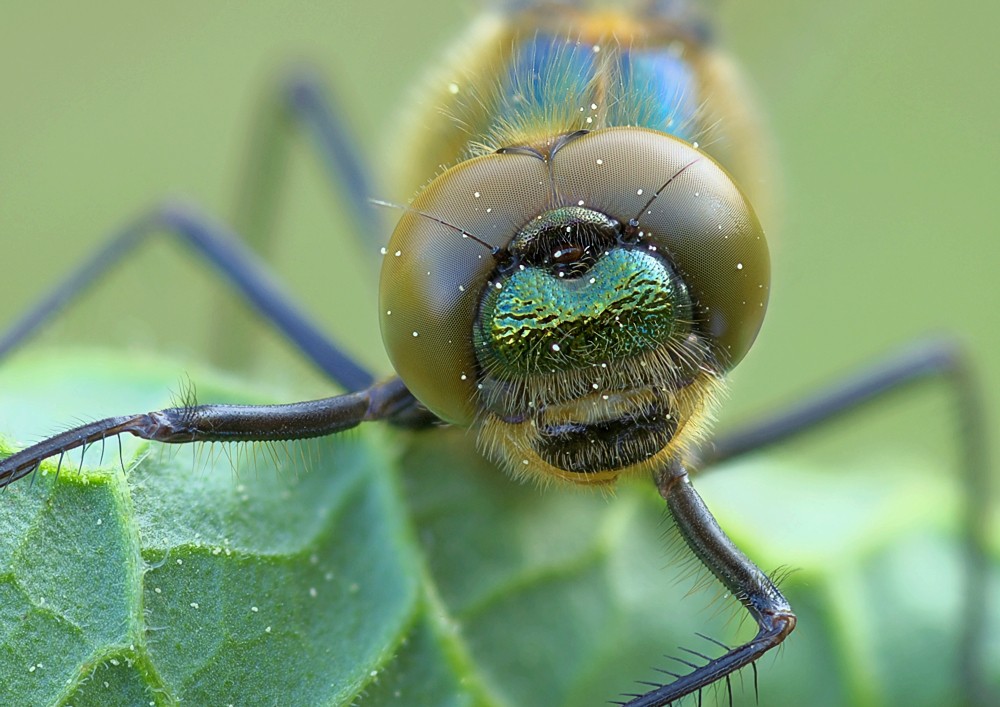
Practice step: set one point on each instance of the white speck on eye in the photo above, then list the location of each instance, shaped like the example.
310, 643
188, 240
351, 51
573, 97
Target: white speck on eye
639, 192
589, 120
739, 266
600, 161
194, 605
267, 630
463, 377
476, 194
254, 609
555, 347
593, 106
428, 272
398, 253
595, 386
604, 397
453, 88
525, 462
180, 562
313, 593
461, 288
100, 521
697, 193
415, 334
383, 250
388, 312
694, 145
157, 590
593, 280
580, 202
597, 48
489, 210
499, 285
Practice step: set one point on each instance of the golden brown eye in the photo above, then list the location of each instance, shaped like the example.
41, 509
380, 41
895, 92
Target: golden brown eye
670, 203
433, 275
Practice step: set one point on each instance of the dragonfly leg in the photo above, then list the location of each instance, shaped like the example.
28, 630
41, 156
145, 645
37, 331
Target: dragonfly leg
226, 252
940, 361
752, 587
298, 104
224, 423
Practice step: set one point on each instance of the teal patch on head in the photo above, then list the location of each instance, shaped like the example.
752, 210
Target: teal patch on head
536, 321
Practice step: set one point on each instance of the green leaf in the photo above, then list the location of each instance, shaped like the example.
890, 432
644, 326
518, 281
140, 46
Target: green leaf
382, 567
199, 582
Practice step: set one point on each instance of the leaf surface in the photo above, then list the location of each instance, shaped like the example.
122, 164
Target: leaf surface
382, 568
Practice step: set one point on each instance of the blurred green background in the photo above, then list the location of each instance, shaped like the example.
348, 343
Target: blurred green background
883, 116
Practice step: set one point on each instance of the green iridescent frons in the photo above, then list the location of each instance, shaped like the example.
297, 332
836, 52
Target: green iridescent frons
534, 321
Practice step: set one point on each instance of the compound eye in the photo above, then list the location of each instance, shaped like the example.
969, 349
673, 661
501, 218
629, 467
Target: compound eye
677, 200
436, 265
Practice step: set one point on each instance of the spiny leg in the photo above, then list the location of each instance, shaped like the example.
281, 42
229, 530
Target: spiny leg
226, 423
225, 251
930, 361
752, 587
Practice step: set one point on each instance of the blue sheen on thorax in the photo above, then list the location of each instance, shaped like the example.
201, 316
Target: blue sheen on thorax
649, 87
665, 84
547, 69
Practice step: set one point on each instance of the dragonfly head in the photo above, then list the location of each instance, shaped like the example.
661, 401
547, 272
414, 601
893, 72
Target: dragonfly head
579, 306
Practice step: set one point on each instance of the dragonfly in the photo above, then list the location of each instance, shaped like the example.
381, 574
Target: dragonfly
868, 388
